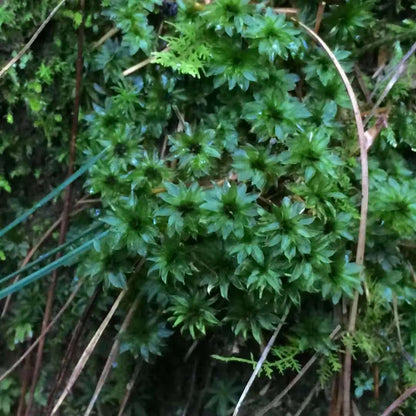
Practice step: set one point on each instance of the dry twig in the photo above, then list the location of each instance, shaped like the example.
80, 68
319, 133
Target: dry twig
67, 205
397, 72
31, 40
308, 399
397, 321
129, 388
70, 350
112, 356
29, 256
113, 31
141, 64
87, 352
91, 345
276, 401
364, 205
191, 390
376, 382
319, 16
399, 401
43, 334
355, 410
361, 83
259, 364
286, 10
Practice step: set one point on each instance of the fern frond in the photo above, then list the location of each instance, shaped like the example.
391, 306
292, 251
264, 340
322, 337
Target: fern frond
187, 53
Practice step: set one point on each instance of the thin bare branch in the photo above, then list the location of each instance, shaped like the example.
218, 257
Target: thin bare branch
191, 389
259, 364
372, 133
24, 385
67, 205
397, 321
202, 392
181, 118
397, 72
112, 356
26, 260
31, 40
412, 272
376, 381
361, 83
399, 401
44, 332
138, 66
286, 10
164, 147
319, 16
89, 201
141, 64
364, 206
70, 350
129, 387
276, 401
336, 396
190, 351
308, 399
113, 31
88, 352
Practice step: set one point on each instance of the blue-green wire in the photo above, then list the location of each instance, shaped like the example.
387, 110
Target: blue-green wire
50, 253
50, 267
52, 194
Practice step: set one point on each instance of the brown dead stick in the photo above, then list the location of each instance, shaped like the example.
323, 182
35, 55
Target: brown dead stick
141, 64
27, 374
69, 353
276, 401
24, 385
67, 205
287, 10
319, 16
43, 334
31, 40
192, 383
129, 387
397, 72
364, 206
113, 31
355, 410
361, 83
259, 364
308, 398
376, 381
113, 355
88, 352
399, 401
29, 256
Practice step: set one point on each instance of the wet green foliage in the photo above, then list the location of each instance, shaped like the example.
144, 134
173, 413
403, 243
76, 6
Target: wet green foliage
230, 168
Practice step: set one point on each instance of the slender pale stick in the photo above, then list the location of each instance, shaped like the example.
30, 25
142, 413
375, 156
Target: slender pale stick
259, 364
44, 332
112, 356
87, 352
276, 401
31, 40
364, 206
